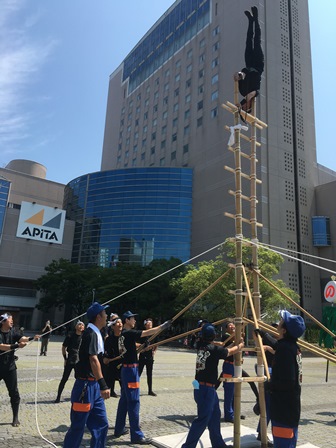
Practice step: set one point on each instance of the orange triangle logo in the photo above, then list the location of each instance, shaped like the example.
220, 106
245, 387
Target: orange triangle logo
36, 219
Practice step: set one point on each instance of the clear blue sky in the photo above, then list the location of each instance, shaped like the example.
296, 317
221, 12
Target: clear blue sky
55, 60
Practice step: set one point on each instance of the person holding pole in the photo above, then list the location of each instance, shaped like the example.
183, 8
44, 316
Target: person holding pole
205, 394
285, 384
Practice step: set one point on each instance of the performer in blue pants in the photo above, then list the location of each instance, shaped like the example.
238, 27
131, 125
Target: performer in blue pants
129, 401
90, 389
205, 395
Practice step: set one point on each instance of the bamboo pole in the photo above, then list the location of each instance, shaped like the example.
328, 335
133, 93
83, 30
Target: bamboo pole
238, 272
301, 343
295, 304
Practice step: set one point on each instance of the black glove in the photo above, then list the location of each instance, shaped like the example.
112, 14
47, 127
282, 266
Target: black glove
259, 332
166, 325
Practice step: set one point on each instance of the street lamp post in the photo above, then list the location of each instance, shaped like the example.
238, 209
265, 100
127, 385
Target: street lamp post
93, 295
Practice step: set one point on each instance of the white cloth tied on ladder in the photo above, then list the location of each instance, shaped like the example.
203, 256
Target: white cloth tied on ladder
241, 127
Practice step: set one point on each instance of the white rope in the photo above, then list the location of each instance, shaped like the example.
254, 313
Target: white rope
297, 252
290, 256
36, 417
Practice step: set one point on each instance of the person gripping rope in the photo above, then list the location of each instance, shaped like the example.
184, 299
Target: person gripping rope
129, 402
10, 341
111, 366
90, 389
205, 394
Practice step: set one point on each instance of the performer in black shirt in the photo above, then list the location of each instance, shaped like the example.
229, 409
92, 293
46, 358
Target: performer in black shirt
205, 395
70, 349
130, 394
111, 366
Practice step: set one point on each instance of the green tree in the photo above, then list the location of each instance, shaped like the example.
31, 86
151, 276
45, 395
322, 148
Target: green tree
219, 302
67, 285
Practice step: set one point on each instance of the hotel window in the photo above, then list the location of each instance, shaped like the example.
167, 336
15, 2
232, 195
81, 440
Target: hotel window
163, 144
174, 137
214, 79
134, 162
215, 46
129, 127
176, 107
199, 121
164, 115
138, 97
127, 141
152, 150
187, 114
189, 54
154, 122
188, 83
176, 92
201, 89
136, 122
147, 102
166, 87
137, 110
185, 148
156, 95
164, 130
165, 100
186, 130
129, 116
189, 68
145, 115
214, 63
215, 31
173, 155
202, 58
155, 108
177, 77
131, 104
147, 89
157, 81
202, 43
178, 63
200, 105
144, 141
214, 112
162, 161
201, 73
188, 98
143, 154
174, 122
167, 73
153, 135
126, 154
214, 95
136, 135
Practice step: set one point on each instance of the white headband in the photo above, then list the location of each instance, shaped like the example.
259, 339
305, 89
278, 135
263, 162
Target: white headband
4, 317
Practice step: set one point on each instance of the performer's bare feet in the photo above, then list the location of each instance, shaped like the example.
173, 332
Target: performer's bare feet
15, 422
254, 10
248, 15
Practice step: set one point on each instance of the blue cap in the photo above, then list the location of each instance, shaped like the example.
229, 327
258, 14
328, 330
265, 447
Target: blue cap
208, 332
95, 309
202, 322
127, 315
295, 325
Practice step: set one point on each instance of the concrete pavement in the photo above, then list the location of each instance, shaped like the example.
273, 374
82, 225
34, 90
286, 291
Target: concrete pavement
171, 412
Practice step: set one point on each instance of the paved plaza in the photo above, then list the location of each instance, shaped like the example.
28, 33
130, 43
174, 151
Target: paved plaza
171, 412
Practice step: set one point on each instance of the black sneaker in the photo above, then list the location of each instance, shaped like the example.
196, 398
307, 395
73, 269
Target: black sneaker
153, 394
256, 408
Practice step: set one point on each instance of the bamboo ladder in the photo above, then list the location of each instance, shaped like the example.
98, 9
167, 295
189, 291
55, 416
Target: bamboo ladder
240, 273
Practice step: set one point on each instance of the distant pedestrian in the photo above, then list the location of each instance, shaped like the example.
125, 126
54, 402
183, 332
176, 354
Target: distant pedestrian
146, 358
90, 389
70, 350
45, 336
205, 395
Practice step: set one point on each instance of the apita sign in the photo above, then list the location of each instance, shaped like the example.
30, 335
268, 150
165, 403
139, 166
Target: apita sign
41, 223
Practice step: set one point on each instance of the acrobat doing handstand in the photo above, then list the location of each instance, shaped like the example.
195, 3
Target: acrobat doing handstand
250, 77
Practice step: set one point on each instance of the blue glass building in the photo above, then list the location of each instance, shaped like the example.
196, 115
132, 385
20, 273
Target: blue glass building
130, 215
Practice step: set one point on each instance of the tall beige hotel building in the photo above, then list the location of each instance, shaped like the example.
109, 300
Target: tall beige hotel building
164, 110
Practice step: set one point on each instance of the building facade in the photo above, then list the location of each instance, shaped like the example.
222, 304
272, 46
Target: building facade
164, 109
33, 234
132, 215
